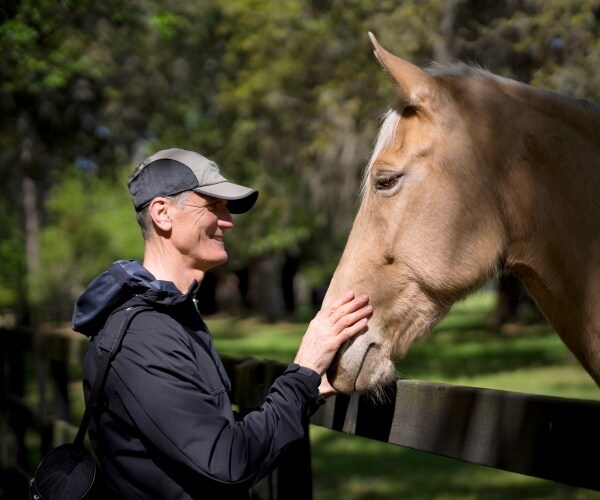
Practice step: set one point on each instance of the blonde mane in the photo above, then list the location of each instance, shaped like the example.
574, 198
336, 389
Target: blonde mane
589, 109
389, 123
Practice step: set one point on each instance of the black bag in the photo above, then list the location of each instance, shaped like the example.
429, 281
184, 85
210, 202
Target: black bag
69, 471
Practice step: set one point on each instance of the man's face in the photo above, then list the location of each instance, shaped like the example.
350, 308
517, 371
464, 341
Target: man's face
198, 228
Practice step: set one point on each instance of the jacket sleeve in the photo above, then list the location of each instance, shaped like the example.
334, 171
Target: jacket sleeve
177, 401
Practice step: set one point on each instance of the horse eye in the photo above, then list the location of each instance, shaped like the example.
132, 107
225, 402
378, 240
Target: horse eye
387, 182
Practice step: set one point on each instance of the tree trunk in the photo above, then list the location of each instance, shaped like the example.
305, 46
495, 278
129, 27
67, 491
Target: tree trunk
443, 51
265, 291
31, 220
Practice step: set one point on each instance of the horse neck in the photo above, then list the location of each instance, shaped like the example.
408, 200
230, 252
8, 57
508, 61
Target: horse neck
551, 193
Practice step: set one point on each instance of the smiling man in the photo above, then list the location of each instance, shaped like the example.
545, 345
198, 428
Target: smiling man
165, 428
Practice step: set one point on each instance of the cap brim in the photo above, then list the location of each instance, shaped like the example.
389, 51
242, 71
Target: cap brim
240, 198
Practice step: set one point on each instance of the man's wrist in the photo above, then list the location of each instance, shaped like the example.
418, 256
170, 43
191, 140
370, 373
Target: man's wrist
303, 369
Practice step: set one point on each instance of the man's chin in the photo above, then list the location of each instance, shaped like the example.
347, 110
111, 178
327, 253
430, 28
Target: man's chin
208, 265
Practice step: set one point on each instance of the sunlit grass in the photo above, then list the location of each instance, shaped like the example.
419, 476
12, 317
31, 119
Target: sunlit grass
464, 350
249, 337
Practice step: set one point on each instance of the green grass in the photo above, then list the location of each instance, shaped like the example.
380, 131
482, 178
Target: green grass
463, 350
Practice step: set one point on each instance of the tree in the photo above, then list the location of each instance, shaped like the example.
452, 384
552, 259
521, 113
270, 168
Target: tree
49, 92
285, 95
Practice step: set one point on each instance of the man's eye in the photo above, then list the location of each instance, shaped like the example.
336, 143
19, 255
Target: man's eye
216, 205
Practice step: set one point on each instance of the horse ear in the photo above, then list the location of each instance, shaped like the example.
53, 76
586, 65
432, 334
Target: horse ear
412, 82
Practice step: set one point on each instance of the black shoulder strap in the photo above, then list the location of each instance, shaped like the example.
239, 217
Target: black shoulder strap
110, 340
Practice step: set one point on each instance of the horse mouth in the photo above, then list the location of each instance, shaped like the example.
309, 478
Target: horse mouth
340, 378
348, 374
362, 382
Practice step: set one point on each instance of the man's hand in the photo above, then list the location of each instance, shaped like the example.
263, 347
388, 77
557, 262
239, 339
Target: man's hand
330, 328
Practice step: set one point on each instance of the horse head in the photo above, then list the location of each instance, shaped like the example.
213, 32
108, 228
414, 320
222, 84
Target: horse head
440, 211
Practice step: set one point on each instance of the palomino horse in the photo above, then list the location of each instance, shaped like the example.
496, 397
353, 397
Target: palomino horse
472, 174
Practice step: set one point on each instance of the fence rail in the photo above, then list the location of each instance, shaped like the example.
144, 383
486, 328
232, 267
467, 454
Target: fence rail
547, 437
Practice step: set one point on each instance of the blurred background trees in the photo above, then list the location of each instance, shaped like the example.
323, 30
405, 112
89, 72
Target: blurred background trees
284, 94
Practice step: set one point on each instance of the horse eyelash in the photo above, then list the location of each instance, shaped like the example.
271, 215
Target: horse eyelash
390, 181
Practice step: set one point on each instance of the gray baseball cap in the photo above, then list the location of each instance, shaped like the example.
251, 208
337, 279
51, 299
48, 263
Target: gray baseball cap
174, 170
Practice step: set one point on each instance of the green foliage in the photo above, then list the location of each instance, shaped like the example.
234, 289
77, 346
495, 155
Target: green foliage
552, 45
285, 95
90, 217
12, 269
46, 44
167, 24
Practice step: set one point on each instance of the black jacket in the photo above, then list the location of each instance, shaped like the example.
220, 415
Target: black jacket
166, 428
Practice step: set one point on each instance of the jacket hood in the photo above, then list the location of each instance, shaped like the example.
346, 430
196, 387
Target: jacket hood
123, 281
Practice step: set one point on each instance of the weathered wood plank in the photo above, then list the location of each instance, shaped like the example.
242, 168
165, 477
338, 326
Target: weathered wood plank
546, 437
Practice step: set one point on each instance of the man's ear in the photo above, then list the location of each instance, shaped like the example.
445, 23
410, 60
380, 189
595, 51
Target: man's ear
159, 212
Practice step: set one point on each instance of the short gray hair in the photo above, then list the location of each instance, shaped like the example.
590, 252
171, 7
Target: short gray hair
145, 221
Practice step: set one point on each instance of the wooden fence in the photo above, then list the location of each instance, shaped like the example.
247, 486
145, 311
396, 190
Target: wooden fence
546, 437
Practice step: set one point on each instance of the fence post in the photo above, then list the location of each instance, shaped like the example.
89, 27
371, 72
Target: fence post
41, 367
16, 388
14, 469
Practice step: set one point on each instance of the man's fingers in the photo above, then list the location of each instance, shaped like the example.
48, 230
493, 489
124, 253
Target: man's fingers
351, 319
346, 309
344, 299
358, 326
351, 331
